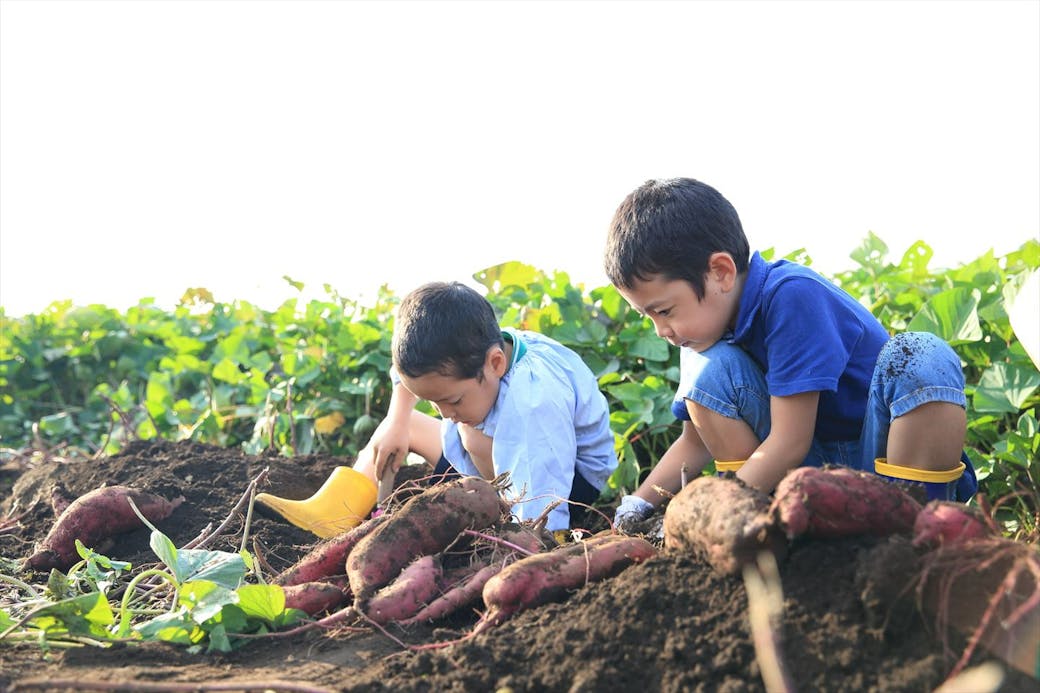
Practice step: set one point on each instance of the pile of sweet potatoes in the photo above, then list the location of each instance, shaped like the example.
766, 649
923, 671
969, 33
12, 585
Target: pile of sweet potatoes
729, 523
447, 549
970, 577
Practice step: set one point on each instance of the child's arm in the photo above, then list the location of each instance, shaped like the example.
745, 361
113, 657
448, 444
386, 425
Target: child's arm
793, 422
687, 449
391, 441
667, 474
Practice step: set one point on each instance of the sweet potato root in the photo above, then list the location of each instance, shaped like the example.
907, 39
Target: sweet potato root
547, 577
314, 597
329, 557
838, 501
407, 594
424, 526
948, 523
989, 590
723, 521
94, 518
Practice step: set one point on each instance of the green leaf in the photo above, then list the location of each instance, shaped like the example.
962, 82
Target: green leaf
205, 599
651, 348
951, 315
265, 602
84, 614
228, 371
166, 550
176, 627
1004, 388
223, 568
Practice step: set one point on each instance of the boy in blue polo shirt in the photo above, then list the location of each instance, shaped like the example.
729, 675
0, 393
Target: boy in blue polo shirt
779, 367
510, 401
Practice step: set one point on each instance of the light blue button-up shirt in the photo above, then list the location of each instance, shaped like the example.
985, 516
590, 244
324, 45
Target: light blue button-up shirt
549, 420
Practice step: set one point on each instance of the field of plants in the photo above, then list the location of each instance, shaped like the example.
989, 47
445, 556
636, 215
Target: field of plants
85, 380
205, 403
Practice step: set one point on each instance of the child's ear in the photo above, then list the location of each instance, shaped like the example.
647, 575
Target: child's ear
496, 361
723, 270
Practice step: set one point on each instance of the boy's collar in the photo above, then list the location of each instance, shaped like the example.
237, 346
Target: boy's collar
750, 296
519, 347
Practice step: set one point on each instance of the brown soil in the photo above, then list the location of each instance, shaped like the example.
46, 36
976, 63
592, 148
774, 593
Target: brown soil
669, 624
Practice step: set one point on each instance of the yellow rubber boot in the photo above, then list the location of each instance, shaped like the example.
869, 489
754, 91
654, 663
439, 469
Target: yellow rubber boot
938, 485
343, 502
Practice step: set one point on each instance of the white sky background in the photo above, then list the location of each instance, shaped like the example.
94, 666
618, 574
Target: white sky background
147, 147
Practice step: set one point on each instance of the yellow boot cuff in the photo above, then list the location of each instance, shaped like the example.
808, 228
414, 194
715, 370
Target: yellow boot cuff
731, 466
881, 466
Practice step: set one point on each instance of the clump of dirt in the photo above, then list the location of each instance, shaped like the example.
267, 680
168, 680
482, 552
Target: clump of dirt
669, 624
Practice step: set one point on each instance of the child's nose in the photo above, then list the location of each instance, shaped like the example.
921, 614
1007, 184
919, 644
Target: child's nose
661, 328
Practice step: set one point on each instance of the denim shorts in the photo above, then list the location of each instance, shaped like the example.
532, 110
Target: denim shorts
913, 368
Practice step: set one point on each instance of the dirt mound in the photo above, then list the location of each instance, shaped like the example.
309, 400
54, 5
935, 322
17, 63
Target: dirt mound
669, 624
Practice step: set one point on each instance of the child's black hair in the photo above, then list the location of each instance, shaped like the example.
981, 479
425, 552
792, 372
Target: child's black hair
444, 328
671, 228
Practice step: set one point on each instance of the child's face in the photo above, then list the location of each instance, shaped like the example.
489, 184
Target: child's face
679, 316
463, 400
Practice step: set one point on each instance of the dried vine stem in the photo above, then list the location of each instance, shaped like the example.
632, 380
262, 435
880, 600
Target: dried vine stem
154, 687
246, 498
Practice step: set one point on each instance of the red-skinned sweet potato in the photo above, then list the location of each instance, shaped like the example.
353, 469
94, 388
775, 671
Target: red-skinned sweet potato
408, 593
424, 526
94, 518
329, 557
465, 592
547, 577
314, 597
838, 501
723, 521
948, 523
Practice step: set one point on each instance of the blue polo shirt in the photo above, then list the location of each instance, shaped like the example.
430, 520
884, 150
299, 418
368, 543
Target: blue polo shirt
807, 334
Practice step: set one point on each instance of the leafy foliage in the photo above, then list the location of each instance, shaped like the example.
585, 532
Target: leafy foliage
310, 377
199, 599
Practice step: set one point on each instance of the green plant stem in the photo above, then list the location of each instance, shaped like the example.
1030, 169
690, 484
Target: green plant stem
18, 583
124, 607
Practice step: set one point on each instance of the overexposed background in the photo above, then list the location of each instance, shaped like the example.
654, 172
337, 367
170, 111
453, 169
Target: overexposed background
147, 147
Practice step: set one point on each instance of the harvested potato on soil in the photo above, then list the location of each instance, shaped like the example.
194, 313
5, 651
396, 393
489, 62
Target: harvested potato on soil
314, 598
839, 501
408, 593
724, 521
424, 526
462, 593
329, 557
547, 577
948, 523
94, 518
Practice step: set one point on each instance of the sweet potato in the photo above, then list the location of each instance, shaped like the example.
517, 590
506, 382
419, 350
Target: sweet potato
838, 501
547, 577
424, 526
466, 591
314, 597
95, 518
407, 594
948, 523
329, 557
723, 521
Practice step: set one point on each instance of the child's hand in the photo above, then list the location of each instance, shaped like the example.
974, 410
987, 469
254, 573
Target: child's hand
630, 512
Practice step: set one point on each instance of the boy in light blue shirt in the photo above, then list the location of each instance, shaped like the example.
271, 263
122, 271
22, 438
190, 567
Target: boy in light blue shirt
510, 401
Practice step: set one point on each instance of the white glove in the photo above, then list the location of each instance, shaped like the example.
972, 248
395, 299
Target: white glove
631, 510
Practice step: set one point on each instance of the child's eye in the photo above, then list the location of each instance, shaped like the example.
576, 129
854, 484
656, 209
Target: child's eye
664, 313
